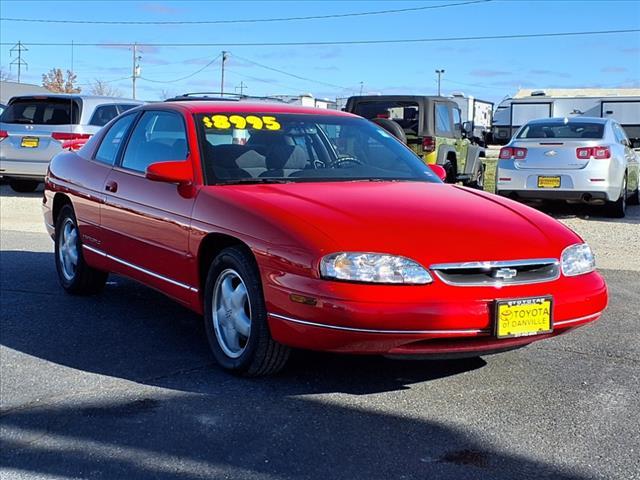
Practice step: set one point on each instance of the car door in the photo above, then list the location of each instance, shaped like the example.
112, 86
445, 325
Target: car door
631, 158
146, 223
89, 178
461, 143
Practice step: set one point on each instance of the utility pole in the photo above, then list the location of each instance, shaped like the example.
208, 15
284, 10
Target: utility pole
19, 62
241, 87
135, 69
439, 72
361, 87
224, 59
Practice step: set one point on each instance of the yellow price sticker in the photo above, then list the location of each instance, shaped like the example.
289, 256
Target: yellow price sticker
240, 122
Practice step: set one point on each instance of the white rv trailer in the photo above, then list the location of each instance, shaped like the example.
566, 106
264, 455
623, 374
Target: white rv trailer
474, 110
621, 104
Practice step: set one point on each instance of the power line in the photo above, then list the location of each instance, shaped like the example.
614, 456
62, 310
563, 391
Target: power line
344, 42
262, 80
236, 21
185, 77
289, 73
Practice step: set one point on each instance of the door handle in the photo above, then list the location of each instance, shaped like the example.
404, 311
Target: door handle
111, 186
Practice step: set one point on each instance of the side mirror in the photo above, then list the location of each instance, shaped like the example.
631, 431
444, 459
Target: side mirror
180, 172
439, 170
467, 128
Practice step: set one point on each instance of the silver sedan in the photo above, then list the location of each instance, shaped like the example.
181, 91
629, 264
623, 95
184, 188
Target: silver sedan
581, 159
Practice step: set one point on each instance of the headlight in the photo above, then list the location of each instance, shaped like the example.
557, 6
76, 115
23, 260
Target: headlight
578, 260
373, 268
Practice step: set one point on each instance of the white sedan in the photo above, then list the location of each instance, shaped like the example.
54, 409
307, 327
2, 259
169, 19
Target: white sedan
581, 159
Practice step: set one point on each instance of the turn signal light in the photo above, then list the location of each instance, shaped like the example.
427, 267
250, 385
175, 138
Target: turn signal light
599, 153
507, 153
3, 134
429, 144
62, 136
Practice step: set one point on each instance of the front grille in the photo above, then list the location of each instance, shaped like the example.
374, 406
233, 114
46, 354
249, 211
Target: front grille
513, 272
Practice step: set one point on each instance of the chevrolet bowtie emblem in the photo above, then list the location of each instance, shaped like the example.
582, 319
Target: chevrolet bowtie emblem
505, 273
551, 153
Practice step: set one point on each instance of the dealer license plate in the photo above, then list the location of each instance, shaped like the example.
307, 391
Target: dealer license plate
548, 182
523, 317
30, 142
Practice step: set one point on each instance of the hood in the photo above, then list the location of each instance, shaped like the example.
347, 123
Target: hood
429, 222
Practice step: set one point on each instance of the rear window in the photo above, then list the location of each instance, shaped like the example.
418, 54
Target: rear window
590, 131
42, 111
406, 114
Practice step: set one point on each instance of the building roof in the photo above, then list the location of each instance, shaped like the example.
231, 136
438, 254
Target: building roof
11, 89
579, 92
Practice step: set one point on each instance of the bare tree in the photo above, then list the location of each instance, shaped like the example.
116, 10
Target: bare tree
5, 75
100, 87
56, 81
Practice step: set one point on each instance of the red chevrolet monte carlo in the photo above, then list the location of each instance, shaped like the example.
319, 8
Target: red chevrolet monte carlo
316, 229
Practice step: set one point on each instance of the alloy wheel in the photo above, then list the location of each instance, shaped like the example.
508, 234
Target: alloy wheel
231, 313
68, 249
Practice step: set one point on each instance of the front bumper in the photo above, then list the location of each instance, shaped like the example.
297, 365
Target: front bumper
431, 320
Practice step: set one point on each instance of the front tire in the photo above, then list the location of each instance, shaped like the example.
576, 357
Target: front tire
75, 275
236, 317
24, 186
634, 199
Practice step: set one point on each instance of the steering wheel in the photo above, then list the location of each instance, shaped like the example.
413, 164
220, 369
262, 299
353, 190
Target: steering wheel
339, 162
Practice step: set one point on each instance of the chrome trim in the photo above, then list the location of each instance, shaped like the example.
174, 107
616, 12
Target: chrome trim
140, 269
492, 264
368, 330
437, 268
576, 320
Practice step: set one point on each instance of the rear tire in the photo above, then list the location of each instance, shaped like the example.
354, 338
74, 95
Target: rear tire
24, 186
478, 179
236, 317
618, 209
75, 275
451, 173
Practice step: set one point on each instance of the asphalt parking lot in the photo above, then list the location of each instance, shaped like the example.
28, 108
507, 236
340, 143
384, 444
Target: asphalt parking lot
122, 386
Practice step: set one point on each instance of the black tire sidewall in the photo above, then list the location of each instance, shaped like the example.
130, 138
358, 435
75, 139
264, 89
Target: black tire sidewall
244, 265
67, 212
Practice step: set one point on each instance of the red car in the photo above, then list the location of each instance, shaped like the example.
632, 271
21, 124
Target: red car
295, 227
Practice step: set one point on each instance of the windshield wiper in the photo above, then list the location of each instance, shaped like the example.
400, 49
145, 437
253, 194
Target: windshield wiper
245, 181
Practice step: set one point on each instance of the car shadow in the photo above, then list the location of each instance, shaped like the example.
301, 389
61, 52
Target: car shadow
7, 191
563, 210
132, 332
253, 432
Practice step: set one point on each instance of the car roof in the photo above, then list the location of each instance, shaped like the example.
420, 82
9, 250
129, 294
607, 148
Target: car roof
569, 120
247, 107
104, 98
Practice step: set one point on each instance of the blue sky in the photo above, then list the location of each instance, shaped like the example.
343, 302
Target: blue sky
488, 69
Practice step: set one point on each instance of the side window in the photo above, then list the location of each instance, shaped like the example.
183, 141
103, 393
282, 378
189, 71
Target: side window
103, 115
123, 107
619, 133
457, 121
157, 137
108, 149
443, 124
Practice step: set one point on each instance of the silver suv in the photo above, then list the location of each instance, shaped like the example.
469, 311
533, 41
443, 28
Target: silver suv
34, 128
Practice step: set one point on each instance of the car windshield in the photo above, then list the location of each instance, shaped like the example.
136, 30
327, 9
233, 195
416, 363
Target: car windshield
42, 111
584, 130
267, 147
